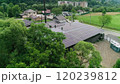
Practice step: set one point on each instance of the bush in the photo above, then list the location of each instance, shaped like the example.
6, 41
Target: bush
117, 65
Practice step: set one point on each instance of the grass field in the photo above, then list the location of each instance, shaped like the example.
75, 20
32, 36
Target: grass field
115, 23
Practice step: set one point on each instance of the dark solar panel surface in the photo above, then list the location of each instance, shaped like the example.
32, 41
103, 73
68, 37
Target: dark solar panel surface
78, 32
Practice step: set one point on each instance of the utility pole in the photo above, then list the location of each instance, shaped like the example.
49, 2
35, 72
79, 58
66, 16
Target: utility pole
90, 17
45, 12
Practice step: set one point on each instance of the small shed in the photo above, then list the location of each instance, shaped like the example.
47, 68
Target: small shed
114, 42
59, 19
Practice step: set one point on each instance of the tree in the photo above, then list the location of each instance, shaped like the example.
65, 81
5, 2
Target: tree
5, 6
117, 65
35, 47
10, 12
12, 37
11, 5
35, 6
103, 11
1, 15
38, 47
64, 8
106, 19
57, 11
87, 54
70, 60
1, 9
23, 6
70, 8
95, 61
16, 10
73, 17
73, 10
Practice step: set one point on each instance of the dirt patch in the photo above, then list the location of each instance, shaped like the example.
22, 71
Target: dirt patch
109, 57
99, 13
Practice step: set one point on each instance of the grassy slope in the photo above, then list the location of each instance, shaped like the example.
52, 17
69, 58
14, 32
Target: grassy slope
115, 24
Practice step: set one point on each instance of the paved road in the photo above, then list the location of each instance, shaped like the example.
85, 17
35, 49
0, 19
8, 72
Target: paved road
113, 32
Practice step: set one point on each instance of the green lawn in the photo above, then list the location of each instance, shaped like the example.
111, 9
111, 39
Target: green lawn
115, 23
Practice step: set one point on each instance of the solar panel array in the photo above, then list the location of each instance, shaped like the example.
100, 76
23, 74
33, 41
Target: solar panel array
53, 24
76, 32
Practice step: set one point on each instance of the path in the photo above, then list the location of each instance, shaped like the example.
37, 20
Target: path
113, 32
109, 57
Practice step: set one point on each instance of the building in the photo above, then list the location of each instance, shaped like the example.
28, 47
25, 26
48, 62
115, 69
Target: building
48, 12
82, 3
36, 18
27, 23
59, 19
81, 11
66, 13
28, 13
76, 32
114, 42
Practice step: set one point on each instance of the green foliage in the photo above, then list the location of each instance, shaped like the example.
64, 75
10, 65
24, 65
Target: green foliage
103, 11
95, 21
39, 47
71, 60
117, 65
87, 54
57, 11
35, 47
1, 15
10, 12
16, 11
106, 19
95, 61
73, 10
12, 37
74, 17
23, 6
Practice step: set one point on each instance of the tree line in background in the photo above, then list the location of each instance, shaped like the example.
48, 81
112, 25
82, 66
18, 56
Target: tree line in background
39, 47
13, 8
91, 2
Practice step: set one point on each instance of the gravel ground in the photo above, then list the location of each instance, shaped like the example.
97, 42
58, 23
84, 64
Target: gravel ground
109, 57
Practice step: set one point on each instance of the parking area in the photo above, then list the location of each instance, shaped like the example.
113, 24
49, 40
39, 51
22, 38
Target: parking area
109, 57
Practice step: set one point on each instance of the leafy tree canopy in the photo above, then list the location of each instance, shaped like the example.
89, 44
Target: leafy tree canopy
88, 55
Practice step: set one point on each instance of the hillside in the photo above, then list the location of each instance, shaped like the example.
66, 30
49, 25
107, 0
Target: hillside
91, 2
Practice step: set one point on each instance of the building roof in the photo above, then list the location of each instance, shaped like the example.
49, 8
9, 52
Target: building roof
60, 17
29, 10
47, 11
80, 11
76, 32
53, 24
27, 23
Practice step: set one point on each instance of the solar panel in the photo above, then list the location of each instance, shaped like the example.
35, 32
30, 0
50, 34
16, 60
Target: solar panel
79, 32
